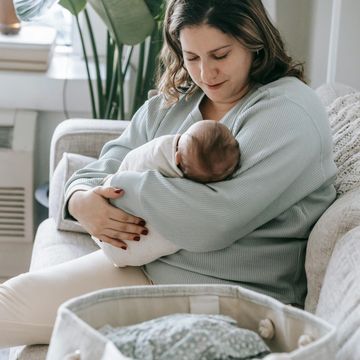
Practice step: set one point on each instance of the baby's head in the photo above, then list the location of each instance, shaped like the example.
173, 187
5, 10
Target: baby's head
207, 152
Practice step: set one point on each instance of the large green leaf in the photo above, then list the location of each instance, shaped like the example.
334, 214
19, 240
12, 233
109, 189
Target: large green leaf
74, 6
129, 21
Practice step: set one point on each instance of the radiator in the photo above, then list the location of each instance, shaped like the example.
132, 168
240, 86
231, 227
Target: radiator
17, 141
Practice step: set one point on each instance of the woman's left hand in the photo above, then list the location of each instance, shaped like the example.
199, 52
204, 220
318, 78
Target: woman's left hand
91, 208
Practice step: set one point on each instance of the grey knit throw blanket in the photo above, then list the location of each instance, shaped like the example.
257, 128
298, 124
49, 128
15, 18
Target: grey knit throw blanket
344, 117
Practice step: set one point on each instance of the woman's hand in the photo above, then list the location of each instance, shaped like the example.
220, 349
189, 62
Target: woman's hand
99, 218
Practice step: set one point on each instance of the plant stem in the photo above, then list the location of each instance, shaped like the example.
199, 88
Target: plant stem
121, 109
155, 46
113, 86
110, 53
119, 45
139, 78
127, 62
92, 98
97, 66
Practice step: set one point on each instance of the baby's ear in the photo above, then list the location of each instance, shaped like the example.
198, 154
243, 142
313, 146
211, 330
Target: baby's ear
177, 157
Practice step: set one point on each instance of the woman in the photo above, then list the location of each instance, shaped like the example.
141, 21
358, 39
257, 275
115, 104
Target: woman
223, 61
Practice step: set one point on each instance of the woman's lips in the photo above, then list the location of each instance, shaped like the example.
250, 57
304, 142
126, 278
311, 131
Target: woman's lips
215, 86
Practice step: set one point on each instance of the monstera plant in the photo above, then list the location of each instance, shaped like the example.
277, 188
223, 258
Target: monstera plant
129, 22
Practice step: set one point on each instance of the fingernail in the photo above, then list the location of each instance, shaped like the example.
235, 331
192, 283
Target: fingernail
124, 247
145, 232
100, 240
142, 223
137, 238
118, 191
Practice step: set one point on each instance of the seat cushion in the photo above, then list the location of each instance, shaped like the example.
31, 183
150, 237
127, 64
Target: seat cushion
342, 216
339, 301
54, 246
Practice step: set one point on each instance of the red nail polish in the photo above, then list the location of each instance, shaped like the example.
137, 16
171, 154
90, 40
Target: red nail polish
142, 223
124, 247
145, 232
137, 238
118, 191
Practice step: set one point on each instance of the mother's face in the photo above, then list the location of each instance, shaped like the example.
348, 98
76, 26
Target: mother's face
216, 62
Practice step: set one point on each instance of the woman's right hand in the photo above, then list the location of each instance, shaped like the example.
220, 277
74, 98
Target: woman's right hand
106, 222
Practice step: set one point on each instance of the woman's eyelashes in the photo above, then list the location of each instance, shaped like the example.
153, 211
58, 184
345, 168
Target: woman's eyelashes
221, 56
215, 57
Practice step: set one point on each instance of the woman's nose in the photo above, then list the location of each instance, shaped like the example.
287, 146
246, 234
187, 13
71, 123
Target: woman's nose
208, 72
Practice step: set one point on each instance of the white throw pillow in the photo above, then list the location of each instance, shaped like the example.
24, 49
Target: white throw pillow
339, 301
342, 216
66, 167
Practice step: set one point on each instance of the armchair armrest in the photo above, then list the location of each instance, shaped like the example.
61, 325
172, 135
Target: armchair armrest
75, 143
82, 136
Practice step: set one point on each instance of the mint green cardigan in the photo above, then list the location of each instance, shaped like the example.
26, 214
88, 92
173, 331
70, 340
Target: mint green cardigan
252, 229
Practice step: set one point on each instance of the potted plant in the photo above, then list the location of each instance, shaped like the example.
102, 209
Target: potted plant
129, 22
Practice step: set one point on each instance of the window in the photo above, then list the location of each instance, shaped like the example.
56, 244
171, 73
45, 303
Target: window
62, 20
67, 32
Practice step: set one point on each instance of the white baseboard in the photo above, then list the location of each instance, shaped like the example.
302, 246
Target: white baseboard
14, 258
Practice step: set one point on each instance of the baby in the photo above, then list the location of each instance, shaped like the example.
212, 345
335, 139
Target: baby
206, 152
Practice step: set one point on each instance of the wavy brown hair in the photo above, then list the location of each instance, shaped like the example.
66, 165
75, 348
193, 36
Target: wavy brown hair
246, 20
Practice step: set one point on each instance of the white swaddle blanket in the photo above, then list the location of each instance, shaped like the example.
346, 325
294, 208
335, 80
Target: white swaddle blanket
157, 154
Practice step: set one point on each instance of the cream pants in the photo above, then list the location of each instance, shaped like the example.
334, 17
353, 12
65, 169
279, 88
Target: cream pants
29, 302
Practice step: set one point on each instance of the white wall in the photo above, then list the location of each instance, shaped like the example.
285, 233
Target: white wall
348, 56
294, 19
348, 69
305, 27
319, 41
270, 6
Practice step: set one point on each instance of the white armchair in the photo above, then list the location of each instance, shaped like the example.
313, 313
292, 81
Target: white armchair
333, 250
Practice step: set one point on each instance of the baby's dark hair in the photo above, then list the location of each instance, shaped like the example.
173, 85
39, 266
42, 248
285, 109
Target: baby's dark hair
216, 151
